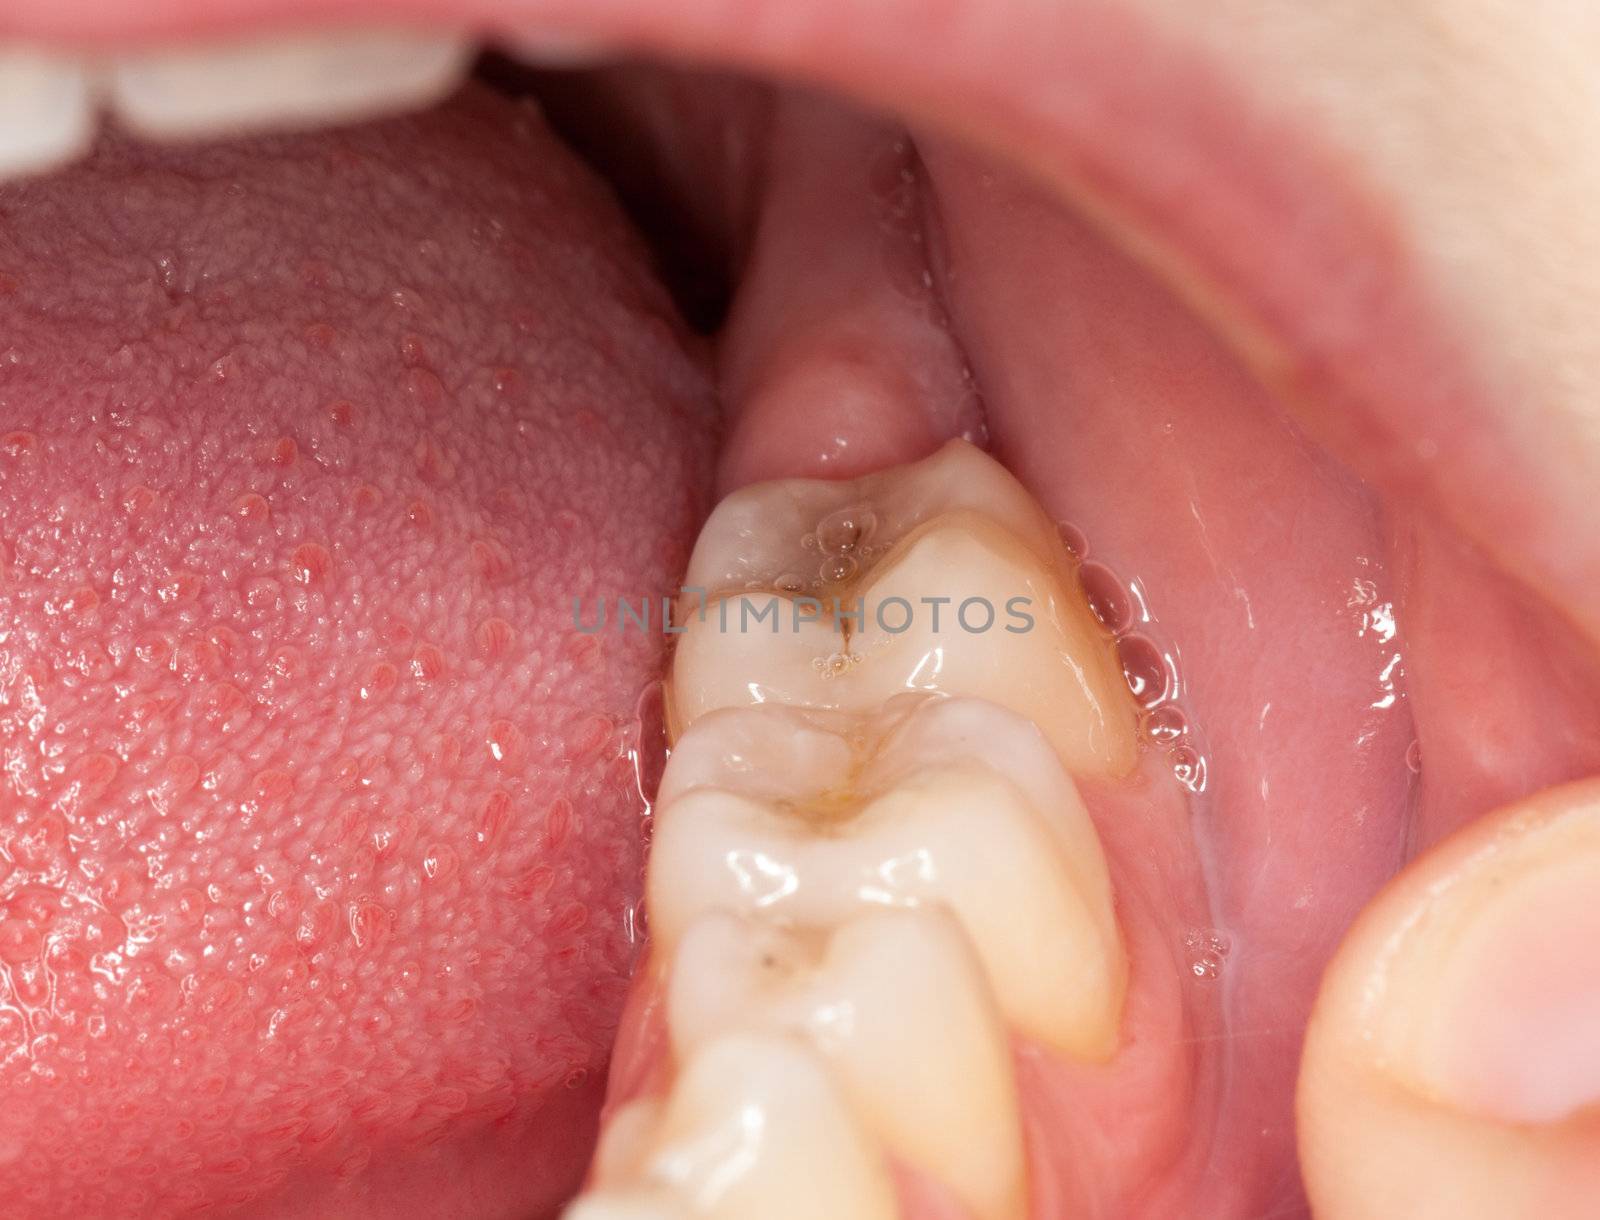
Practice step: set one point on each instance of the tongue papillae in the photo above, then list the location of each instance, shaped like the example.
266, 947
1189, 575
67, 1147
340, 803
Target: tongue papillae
318, 819
320, 815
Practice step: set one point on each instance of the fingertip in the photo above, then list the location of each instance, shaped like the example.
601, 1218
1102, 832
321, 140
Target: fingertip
1452, 1063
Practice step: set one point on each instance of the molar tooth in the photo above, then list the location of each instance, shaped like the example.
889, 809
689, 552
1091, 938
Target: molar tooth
808, 817
758, 533
899, 1006
753, 1126
954, 600
46, 111
284, 81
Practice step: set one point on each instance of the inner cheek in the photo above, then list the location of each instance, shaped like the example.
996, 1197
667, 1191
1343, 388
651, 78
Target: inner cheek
319, 818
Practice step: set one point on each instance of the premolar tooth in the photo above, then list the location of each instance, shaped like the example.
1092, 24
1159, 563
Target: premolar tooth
809, 817
279, 81
962, 602
899, 1006
753, 1126
46, 111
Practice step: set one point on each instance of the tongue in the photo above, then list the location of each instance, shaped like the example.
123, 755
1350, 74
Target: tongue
318, 815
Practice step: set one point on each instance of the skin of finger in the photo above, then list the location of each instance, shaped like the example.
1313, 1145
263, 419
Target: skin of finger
1375, 1139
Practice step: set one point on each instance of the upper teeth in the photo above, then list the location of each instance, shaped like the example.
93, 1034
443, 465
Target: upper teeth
325, 78
45, 113
48, 103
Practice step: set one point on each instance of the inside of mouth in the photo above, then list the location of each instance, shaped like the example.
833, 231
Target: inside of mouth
323, 826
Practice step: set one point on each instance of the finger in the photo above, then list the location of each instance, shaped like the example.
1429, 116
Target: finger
1452, 1065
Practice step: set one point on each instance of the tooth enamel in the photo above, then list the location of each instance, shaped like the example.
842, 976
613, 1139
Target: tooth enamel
285, 81
757, 533
1044, 655
626, 1140
616, 1205
899, 1006
807, 817
753, 1126
46, 111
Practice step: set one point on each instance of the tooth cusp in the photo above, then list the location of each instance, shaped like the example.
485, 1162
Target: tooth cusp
754, 1126
953, 804
897, 1004
46, 111
945, 598
282, 80
783, 533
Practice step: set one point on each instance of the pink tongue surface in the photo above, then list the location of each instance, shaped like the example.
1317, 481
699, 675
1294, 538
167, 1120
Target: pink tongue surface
317, 815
